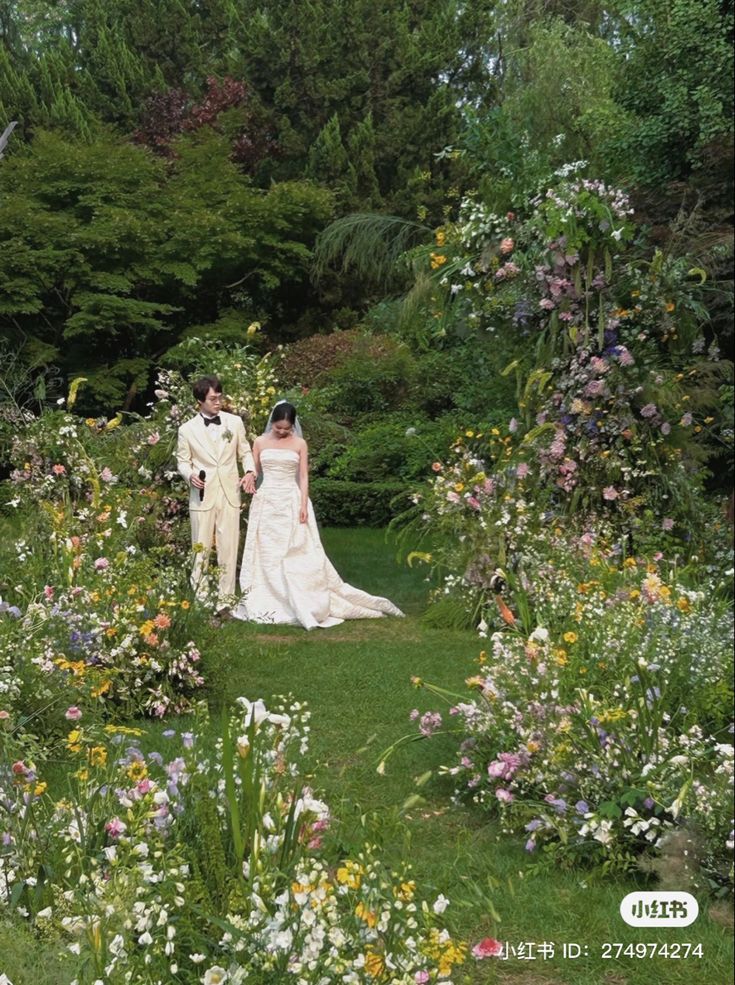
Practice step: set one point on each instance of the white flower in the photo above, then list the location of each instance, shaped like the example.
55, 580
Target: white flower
539, 635
197, 958
440, 904
215, 976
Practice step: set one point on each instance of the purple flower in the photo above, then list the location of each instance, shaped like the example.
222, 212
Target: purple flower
530, 845
101, 564
665, 428
187, 738
534, 825
582, 807
650, 410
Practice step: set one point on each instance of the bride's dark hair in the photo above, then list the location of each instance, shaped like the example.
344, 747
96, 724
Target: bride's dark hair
284, 412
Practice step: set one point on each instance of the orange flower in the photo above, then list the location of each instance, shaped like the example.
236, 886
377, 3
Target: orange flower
162, 621
505, 613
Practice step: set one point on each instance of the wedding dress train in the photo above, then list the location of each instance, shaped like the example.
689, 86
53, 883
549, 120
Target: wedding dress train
285, 576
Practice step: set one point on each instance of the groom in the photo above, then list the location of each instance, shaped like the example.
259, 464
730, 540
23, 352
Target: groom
209, 447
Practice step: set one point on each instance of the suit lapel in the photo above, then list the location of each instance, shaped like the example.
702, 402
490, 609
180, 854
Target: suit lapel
199, 429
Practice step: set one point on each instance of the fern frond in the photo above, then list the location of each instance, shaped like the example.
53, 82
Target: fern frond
367, 244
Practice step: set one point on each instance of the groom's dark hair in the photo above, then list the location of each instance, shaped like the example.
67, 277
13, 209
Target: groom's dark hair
202, 386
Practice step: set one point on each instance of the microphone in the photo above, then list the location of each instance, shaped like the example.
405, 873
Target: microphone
202, 476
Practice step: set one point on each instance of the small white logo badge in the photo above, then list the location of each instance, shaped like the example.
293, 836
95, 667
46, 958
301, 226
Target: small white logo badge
659, 909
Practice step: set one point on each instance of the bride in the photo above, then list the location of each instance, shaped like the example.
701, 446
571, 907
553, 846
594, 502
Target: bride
285, 575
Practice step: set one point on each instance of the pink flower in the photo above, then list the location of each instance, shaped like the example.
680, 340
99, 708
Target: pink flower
421, 977
665, 428
507, 245
106, 474
624, 357
73, 714
650, 410
503, 795
522, 470
512, 425
667, 523
101, 564
58, 470
436, 466
115, 827
48, 591
610, 493
488, 947
566, 316
547, 304
452, 496
598, 365
473, 502
154, 438
4, 715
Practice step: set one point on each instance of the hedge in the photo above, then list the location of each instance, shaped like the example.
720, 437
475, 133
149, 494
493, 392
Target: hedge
357, 504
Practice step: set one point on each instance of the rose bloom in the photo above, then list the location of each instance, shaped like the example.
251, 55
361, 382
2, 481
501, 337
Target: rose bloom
436, 466
73, 714
488, 947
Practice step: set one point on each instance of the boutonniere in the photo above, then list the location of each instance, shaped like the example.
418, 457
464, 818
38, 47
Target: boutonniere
227, 435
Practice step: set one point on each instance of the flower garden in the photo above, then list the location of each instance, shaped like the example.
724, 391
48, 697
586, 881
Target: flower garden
154, 829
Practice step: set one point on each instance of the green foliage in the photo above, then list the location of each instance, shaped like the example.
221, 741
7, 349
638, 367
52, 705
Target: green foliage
677, 63
357, 504
108, 255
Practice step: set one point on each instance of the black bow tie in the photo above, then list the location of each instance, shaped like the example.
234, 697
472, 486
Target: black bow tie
212, 420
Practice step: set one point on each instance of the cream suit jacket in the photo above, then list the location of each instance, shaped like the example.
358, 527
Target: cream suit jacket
199, 451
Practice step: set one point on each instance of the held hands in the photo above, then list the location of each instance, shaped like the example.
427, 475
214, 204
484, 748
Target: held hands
247, 483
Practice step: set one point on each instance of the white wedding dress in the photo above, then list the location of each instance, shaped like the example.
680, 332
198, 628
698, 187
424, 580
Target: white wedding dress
285, 576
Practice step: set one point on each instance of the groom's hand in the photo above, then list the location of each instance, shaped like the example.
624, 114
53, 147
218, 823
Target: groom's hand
248, 482
196, 481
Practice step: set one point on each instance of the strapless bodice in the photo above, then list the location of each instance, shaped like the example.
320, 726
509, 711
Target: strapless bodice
280, 467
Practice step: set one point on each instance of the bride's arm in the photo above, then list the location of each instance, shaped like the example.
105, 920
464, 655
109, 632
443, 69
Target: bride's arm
256, 456
304, 481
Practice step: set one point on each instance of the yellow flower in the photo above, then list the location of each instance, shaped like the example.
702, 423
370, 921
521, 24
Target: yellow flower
458, 486
367, 915
630, 562
469, 434
350, 874
437, 260
147, 627
73, 740
111, 631
405, 891
670, 306
186, 604
40, 788
683, 604
101, 689
137, 771
441, 237
374, 964
570, 637
98, 755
